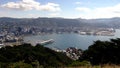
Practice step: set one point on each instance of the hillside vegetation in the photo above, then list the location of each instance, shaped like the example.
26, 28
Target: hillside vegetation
103, 52
32, 56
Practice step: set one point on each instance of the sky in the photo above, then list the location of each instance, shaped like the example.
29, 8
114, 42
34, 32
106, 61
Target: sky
86, 9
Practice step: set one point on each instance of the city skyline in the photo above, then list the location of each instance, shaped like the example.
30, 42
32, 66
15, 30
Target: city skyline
91, 9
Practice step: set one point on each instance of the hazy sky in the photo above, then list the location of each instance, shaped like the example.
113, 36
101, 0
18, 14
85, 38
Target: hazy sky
60, 8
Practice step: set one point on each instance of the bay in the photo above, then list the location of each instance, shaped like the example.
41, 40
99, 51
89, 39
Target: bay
63, 41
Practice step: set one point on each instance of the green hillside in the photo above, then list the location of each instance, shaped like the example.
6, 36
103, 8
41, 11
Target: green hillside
32, 56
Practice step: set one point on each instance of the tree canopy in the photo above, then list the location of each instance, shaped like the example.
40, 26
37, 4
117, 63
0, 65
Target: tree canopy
29, 54
103, 52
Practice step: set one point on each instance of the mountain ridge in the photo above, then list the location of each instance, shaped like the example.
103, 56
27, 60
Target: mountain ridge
64, 22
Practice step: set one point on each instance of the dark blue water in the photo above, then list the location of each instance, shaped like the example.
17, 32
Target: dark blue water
63, 41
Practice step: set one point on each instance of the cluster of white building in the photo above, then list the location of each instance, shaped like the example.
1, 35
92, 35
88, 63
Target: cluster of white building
71, 52
102, 32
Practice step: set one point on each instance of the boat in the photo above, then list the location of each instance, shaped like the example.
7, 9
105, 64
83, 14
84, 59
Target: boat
1, 45
46, 42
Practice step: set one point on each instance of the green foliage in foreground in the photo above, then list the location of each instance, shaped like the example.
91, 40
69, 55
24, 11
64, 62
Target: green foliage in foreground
78, 63
103, 52
32, 56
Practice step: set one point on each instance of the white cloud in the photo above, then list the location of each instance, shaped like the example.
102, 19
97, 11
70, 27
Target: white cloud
83, 9
4, 14
78, 3
103, 12
54, 14
50, 7
31, 5
34, 15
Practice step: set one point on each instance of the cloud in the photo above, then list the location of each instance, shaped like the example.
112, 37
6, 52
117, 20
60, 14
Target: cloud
33, 15
83, 9
101, 12
78, 3
49, 7
54, 14
4, 14
32, 5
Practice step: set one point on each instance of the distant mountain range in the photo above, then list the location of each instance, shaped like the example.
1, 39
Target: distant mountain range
61, 22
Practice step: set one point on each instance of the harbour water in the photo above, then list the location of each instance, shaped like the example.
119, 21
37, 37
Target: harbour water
65, 40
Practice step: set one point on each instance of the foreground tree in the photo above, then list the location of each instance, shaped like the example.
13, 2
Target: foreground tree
103, 52
33, 55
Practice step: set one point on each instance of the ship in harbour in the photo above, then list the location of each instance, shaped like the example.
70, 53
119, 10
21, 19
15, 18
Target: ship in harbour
50, 41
